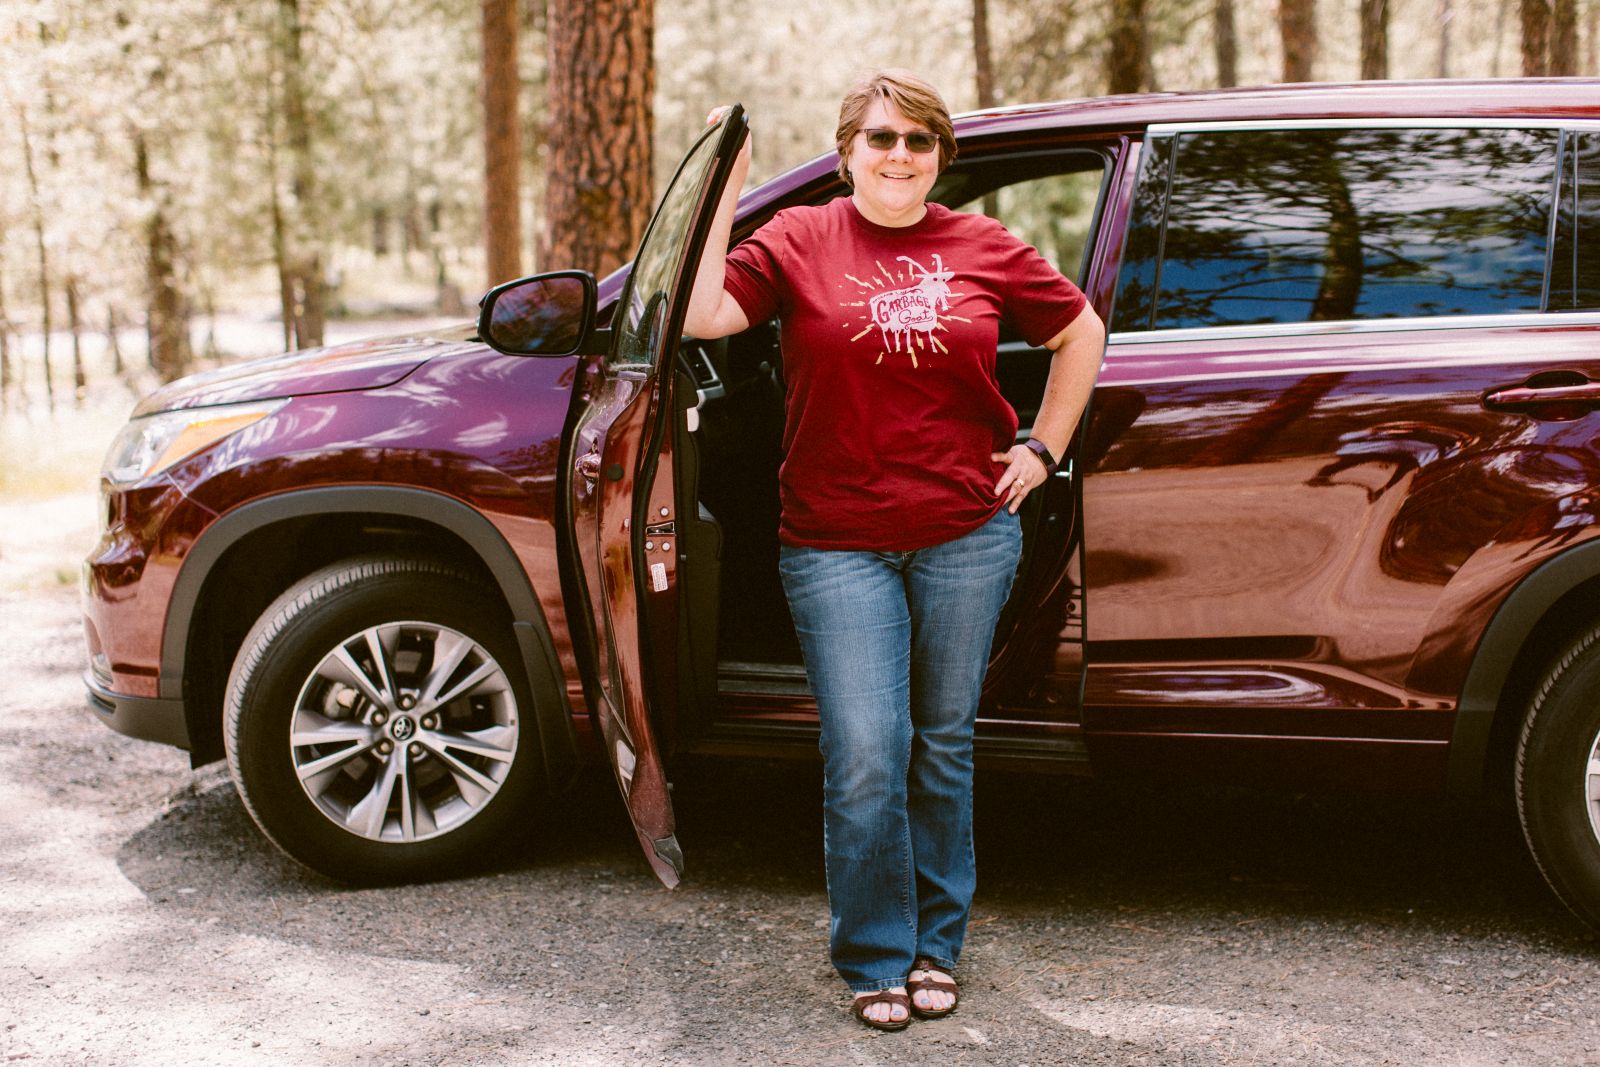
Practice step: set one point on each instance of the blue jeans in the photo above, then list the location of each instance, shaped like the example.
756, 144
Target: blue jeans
896, 645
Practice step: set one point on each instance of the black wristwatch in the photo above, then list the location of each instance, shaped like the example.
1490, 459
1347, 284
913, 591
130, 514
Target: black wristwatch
1036, 446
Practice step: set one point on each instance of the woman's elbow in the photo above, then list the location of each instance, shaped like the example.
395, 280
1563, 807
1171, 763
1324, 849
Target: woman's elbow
708, 324
1089, 327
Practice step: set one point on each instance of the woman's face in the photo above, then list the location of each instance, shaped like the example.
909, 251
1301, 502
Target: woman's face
890, 183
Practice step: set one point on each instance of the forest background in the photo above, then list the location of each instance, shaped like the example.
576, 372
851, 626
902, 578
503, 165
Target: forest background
192, 181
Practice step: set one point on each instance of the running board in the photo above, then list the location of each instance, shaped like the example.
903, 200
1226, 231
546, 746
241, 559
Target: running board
1063, 752
784, 679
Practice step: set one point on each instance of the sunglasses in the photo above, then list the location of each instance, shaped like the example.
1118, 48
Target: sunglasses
918, 141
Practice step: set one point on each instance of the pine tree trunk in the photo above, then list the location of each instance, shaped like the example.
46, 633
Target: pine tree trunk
167, 330
502, 150
280, 238
1564, 37
80, 381
43, 254
1127, 61
113, 340
983, 69
1535, 38
303, 266
599, 160
1374, 40
1297, 26
983, 58
1226, 39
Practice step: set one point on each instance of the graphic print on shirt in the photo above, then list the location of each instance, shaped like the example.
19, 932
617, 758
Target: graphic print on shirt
905, 317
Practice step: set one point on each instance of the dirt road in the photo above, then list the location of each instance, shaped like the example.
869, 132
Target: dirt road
143, 920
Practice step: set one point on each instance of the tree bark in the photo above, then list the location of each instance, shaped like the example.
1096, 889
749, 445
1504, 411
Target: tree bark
1535, 38
983, 67
113, 339
602, 83
1374, 40
502, 150
983, 61
80, 381
1564, 38
1297, 26
304, 264
1226, 38
166, 324
1128, 60
43, 253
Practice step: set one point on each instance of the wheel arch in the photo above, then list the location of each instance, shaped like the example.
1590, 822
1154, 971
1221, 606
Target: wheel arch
1527, 631
249, 555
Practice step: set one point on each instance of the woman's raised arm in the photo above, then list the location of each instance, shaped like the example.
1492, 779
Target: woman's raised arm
712, 312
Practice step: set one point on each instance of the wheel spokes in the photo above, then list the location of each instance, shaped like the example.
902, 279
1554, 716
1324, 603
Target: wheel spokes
475, 786
498, 743
342, 666
389, 777
311, 729
448, 652
381, 659
484, 671
368, 816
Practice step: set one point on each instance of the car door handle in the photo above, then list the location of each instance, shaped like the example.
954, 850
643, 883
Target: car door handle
1522, 396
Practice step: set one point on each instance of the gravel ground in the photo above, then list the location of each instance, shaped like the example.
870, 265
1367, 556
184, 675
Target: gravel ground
145, 921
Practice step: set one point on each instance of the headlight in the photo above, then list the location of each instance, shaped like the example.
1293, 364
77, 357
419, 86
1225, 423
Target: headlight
151, 444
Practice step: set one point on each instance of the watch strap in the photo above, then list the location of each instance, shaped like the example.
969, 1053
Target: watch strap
1037, 447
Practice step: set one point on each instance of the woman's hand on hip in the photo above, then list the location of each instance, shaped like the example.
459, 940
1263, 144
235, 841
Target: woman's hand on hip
1025, 472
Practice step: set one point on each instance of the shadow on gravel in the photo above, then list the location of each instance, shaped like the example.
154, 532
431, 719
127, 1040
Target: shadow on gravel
1043, 842
1089, 895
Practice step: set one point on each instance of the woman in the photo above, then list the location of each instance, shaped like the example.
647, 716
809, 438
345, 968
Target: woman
900, 488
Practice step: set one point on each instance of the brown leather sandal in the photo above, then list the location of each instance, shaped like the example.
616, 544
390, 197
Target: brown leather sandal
929, 985
883, 996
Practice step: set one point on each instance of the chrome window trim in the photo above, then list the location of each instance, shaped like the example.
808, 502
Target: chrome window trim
1462, 122
1516, 320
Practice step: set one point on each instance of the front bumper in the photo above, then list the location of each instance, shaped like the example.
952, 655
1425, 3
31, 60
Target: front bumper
147, 718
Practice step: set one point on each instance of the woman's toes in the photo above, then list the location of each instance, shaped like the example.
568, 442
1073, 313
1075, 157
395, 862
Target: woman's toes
884, 1012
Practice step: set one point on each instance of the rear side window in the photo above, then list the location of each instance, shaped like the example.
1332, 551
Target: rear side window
1288, 226
1575, 264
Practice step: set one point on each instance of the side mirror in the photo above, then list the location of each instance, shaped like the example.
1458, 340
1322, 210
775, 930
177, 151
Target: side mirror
545, 315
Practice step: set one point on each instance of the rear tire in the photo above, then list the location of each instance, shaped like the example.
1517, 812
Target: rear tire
377, 722
1558, 777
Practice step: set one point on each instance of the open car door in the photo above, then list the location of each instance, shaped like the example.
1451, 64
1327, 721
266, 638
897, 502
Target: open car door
619, 498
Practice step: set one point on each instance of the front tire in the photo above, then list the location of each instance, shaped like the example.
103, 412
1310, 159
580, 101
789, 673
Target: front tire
375, 722
1558, 777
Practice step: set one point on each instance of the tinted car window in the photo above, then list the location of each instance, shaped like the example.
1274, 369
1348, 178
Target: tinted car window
1292, 226
1575, 264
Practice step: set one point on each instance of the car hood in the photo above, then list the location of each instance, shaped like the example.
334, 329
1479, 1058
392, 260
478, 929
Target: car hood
369, 364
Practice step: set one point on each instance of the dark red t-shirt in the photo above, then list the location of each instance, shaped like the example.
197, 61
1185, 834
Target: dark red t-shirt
889, 337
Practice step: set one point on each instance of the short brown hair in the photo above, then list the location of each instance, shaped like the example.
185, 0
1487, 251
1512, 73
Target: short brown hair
910, 95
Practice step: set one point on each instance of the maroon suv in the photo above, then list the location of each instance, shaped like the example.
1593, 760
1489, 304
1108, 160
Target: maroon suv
1332, 519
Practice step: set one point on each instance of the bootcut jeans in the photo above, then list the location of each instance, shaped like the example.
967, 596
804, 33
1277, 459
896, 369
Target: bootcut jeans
896, 645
